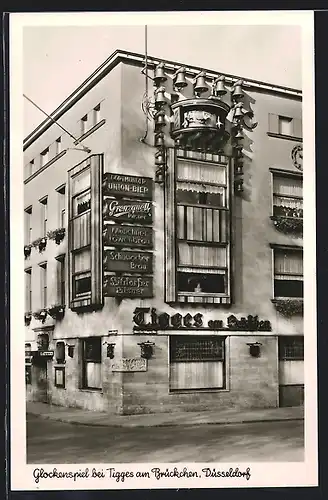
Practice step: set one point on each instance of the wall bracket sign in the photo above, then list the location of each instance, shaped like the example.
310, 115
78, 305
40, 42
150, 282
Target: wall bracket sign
128, 286
128, 236
127, 211
127, 261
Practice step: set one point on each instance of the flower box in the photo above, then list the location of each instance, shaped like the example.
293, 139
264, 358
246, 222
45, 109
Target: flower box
27, 250
41, 315
27, 318
40, 243
289, 307
57, 235
56, 311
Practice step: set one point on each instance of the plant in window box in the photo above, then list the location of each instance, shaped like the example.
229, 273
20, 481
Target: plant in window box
41, 315
57, 235
40, 243
56, 311
289, 307
27, 318
27, 250
288, 225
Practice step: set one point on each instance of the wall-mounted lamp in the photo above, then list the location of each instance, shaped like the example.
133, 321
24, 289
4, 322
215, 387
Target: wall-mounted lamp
254, 349
110, 349
147, 349
70, 350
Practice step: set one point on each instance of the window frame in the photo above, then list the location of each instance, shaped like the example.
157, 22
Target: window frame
44, 284
298, 354
61, 279
28, 290
286, 248
44, 215
86, 360
172, 295
61, 190
285, 174
44, 157
224, 358
28, 224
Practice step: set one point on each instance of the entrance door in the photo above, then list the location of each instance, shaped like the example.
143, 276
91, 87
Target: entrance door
42, 381
291, 371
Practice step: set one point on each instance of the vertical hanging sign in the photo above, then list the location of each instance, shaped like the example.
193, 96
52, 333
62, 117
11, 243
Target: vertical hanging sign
127, 236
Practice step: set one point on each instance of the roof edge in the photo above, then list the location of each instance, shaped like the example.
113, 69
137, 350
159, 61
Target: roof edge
138, 59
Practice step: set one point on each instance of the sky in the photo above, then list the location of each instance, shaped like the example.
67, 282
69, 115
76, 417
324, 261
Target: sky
57, 59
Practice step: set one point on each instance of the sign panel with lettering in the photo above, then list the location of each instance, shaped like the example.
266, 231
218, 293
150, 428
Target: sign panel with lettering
127, 211
127, 185
130, 365
128, 236
128, 286
128, 261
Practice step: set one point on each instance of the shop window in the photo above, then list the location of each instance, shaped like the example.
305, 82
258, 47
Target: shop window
198, 232
288, 272
197, 363
92, 363
85, 238
287, 195
291, 348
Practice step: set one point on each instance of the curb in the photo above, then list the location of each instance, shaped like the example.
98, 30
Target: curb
163, 424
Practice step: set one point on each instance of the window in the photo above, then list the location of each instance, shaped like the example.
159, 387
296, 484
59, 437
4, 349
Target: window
285, 127
61, 205
85, 243
291, 348
29, 167
43, 276
197, 363
44, 215
28, 225
92, 363
96, 115
61, 280
81, 263
60, 377
44, 157
84, 124
287, 195
28, 290
288, 272
58, 146
201, 225
60, 352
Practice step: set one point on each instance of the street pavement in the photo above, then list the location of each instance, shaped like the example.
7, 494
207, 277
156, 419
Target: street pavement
54, 442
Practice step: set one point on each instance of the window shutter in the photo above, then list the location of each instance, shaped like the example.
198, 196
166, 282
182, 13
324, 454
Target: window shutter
297, 127
273, 123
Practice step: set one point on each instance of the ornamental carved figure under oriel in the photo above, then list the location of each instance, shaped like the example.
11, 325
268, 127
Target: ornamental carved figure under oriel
200, 123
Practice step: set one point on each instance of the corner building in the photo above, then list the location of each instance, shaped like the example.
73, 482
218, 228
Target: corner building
163, 247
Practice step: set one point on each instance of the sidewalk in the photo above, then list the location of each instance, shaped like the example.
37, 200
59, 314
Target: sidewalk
231, 416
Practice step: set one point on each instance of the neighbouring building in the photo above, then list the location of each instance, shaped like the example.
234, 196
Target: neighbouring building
163, 245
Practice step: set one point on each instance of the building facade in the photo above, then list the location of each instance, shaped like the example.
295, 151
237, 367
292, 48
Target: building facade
163, 245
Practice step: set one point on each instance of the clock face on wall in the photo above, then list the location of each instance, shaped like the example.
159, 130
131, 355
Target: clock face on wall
297, 157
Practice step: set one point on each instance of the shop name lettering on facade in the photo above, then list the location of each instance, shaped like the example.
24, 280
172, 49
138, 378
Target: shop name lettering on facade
146, 318
136, 236
127, 211
127, 185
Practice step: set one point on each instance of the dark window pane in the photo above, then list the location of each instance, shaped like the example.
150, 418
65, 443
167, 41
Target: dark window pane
288, 288
201, 197
82, 285
92, 349
197, 282
197, 349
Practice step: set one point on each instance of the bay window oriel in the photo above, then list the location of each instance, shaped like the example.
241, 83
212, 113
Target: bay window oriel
85, 235
198, 222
